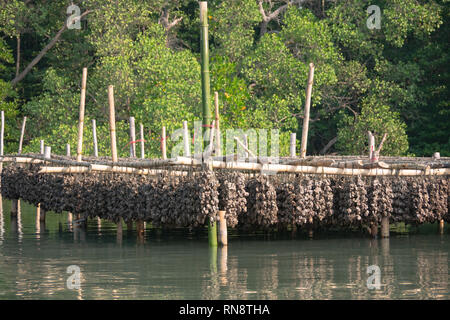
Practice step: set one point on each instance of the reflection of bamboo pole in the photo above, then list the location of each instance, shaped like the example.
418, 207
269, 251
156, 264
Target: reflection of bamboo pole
81, 118
112, 123
307, 107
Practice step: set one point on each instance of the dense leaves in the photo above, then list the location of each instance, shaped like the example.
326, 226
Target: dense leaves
390, 80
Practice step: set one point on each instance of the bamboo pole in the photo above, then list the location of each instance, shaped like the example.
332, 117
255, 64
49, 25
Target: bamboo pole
371, 144
132, 138
67, 150
112, 123
186, 140
292, 151
163, 143
22, 133
218, 149
2, 133
206, 110
223, 234
141, 131
81, 117
94, 137
307, 107
244, 146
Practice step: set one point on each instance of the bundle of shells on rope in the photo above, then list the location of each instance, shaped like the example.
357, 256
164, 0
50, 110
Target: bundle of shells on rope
352, 200
232, 195
262, 207
420, 200
380, 197
401, 202
438, 189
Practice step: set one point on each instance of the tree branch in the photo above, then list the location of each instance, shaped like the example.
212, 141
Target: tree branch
41, 54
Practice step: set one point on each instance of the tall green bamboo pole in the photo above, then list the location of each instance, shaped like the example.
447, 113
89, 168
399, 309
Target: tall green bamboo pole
206, 105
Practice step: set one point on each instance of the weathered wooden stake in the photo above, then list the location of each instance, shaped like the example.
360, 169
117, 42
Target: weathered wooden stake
68, 150
41, 214
15, 204
223, 234
94, 137
292, 151
441, 226
112, 123
374, 230
141, 131
140, 229
186, 140
385, 227
371, 144
119, 231
163, 143
132, 138
81, 118
217, 125
42, 145
47, 152
22, 133
307, 107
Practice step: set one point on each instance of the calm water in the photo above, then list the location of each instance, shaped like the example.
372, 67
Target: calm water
34, 261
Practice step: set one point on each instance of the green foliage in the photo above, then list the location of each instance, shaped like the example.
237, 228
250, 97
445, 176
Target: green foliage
379, 119
392, 80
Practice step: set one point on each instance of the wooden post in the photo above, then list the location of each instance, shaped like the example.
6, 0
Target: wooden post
112, 123
22, 133
186, 141
2, 134
141, 131
371, 145
41, 214
81, 118
47, 152
163, 143
292, 151
68, 150
94, 137
217, 126
42, 145
441, 226
374, 229
307, 107
385, 227
119, 231
14, 207
140, 229
223, 235
132, 138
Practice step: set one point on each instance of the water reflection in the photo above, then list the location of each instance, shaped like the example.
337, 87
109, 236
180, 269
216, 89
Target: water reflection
167, 266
